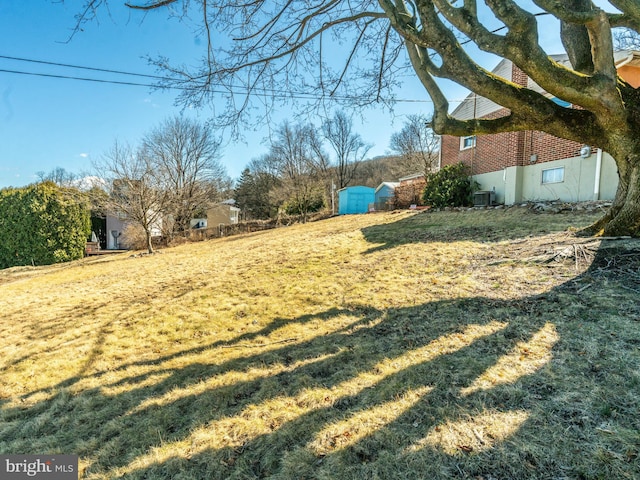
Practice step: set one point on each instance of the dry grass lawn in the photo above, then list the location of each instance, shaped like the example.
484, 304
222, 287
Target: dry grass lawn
479, 345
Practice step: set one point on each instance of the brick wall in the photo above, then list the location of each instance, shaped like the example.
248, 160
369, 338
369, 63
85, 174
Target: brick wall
549, 148
491, 153
518, 76
509, 149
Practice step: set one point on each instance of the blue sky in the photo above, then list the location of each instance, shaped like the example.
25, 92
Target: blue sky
50, 122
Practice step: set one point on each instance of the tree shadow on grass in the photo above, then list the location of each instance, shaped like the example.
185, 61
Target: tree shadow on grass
242, 341
400, 393
490, 226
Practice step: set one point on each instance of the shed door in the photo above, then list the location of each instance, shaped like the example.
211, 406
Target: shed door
359, 203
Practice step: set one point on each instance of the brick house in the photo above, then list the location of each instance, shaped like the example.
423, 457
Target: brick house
533, 165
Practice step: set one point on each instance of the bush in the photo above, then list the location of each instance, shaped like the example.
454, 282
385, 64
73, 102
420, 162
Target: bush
410, 193
305, 205
42, 224
449, 187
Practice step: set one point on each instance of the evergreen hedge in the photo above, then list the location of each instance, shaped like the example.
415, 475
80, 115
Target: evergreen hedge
42, 224
448, 187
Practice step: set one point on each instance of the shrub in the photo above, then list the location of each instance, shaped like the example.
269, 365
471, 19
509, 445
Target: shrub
304, 205
449, 187
42, 224
409, 193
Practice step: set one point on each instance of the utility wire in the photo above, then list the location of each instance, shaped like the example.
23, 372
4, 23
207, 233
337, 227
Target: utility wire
66, 65
264, 93
303, 96
68, 77
259, 92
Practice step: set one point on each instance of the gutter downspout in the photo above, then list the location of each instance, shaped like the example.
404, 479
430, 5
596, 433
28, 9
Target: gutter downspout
596, 185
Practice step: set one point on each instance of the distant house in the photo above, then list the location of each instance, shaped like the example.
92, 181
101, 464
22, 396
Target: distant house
385, 196
115, 230
198, 223
124, 230
355, 199
533, 165
119, 230
224, 213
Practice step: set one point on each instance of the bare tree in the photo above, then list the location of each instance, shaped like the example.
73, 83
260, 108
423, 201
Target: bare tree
293, 152
184, 156
283, 42
59, 176
416, 144
625, 38
348, 147
134, 193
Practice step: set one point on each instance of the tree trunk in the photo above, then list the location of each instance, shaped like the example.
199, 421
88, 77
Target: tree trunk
624, 216
149, 245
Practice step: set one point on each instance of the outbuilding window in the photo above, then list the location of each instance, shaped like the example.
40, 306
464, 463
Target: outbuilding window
553, 175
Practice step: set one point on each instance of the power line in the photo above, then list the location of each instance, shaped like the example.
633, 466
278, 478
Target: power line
69, 77
243, 90
95, 69
303, 96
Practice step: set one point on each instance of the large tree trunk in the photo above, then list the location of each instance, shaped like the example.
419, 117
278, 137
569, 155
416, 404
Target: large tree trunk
624, 216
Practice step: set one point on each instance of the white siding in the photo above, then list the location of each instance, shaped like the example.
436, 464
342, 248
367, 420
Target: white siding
478, 107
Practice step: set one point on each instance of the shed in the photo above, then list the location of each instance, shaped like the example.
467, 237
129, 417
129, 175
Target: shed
355, 199
385, 195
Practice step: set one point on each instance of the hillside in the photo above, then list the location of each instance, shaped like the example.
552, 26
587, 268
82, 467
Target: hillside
488, 344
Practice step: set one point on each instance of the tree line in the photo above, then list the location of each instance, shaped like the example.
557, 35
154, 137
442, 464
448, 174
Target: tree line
173, 174
305, 165
170, 177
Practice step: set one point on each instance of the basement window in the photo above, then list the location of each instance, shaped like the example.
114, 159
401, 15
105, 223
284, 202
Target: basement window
553, 175
467, 142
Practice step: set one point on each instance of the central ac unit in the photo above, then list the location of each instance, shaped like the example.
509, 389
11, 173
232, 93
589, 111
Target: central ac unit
484, 198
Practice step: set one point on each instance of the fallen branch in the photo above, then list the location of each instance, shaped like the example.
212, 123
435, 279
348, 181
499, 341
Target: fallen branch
584, 288
245, 345
631, 289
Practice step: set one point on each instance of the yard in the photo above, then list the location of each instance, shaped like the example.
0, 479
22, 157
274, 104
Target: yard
487, 345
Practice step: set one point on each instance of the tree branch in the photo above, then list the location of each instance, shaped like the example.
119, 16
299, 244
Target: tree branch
356, 44
273, 43
579, 12
151, 6
382, 61
465, 19
458, 66
311, 36
631, 16
520, 45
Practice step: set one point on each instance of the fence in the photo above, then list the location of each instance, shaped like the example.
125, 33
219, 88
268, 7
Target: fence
223, 230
